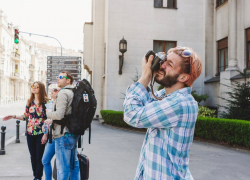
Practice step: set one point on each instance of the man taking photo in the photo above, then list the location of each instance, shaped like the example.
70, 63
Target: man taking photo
65, 142
170, 121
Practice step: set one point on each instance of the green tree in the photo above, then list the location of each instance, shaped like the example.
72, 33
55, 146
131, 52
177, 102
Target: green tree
160, 87
136, 77
199, 98
238, 104
206, 112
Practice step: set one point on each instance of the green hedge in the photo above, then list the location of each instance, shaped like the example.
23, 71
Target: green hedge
226, 130
114, 118
231, 131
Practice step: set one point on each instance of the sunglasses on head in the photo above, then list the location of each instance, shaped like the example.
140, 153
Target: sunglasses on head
61, 77
35, 87
186, 53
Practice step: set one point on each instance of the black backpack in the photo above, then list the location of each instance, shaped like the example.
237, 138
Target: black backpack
83, 109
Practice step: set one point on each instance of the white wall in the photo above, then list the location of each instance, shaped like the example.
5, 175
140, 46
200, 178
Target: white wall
222, 22
98, 51
88, 44
140, 23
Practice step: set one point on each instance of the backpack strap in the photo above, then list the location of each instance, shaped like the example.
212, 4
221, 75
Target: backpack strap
50, 134
80, 142
61, 122
89, 133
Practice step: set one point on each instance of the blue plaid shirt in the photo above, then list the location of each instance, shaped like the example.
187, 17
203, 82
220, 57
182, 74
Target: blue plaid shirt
170, 122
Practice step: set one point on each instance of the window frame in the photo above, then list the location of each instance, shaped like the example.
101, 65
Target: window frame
218, 3
175, 5
164, 45
247, 31
222, 45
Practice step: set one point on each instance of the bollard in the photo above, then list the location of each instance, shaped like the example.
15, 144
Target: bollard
2, 151
96, 117
17, 131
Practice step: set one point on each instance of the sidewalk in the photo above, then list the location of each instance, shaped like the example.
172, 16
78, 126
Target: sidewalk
15, 164
114, 154
13, 103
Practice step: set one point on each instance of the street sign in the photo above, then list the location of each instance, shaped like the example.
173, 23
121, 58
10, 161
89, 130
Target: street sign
50, 70
56, 64
64, 66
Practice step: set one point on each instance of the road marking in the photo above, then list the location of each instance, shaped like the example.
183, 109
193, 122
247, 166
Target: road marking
12, 139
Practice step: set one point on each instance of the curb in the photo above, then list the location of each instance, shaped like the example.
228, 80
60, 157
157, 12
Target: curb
101, 121
220, 145
12, 139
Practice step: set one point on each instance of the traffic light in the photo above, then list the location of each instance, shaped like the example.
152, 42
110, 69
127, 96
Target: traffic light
16, 37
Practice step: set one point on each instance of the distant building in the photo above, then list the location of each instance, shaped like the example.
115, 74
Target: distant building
23, 63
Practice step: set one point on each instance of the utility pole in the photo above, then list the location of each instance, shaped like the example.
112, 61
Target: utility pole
47, 37
43, 36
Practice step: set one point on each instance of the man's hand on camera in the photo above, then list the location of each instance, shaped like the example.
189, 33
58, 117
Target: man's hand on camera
146, 71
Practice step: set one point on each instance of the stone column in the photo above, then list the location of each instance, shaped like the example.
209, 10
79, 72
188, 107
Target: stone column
232, 38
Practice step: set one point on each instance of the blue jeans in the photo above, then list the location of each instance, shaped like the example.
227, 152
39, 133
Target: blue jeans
66, 153
48, 154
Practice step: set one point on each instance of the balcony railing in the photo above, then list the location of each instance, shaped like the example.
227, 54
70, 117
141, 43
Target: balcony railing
2, 48
1, 72
15, 55
31, 67
15, 75
31, 80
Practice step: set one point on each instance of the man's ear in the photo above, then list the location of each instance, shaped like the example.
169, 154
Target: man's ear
68, 81
183, 78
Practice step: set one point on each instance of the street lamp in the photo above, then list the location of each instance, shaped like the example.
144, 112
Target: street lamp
122, 49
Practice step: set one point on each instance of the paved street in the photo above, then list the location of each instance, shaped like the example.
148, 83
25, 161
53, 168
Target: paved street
114, 155
12, 109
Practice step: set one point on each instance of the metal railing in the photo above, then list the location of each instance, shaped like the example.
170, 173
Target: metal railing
31, 66
15, 54
1, 72
31, 80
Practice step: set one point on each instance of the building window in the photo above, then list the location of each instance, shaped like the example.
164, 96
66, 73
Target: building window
220, 2
248, 48
165, 3
163, 46
222, 55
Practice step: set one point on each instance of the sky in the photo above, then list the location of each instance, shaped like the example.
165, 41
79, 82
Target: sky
62, 19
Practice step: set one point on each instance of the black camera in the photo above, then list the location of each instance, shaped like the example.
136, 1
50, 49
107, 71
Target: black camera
159, 58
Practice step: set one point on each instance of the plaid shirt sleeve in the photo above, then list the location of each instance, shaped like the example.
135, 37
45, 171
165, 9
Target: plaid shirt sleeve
143, 111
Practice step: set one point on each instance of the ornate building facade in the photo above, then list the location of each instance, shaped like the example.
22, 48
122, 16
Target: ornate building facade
23, 63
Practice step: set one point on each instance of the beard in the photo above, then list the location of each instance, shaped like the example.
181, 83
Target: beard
168, 80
